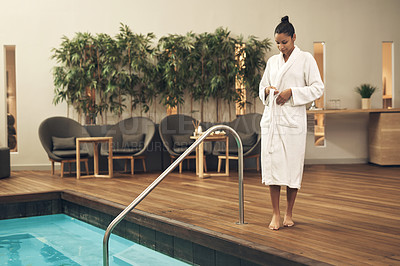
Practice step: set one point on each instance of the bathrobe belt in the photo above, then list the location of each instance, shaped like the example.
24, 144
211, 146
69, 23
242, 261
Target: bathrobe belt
272, 125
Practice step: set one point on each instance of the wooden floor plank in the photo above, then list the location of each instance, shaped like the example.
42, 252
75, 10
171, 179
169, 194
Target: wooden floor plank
344, 214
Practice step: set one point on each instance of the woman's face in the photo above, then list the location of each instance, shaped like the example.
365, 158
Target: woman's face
285, 43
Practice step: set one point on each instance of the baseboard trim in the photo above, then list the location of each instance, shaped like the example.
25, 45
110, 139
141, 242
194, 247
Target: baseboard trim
337, 161
47, 167
33, 167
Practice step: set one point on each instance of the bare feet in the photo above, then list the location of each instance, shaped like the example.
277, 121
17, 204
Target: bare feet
288, 221
275, 222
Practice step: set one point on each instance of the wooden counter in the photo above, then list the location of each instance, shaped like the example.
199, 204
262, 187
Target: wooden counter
384, 138
352, 111
383, 133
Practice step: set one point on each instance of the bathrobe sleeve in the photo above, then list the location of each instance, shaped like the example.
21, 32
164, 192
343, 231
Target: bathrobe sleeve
264, 83
314, 88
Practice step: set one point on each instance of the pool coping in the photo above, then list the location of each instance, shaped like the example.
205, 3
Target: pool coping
233, 246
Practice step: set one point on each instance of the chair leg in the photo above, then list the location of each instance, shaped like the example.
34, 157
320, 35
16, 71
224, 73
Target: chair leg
205, 164
144, 165
219, 164
62, 169
132, 166
76, 169
87, 166
180, 168
258, 163
52, 167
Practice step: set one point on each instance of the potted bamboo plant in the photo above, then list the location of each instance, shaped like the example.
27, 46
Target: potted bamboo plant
256, 51
224, 70
366, 91
136, 67
73, 76
201, 65
99, 73
96, 74
174, 67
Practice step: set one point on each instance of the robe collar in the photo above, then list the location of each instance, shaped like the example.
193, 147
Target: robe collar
286, 66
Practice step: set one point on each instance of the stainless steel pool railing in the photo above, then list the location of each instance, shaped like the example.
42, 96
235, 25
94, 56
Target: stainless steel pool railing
134, 203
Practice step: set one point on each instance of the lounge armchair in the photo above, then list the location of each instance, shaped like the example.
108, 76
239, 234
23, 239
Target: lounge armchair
248, 128
57, 135
175, 132
131, 137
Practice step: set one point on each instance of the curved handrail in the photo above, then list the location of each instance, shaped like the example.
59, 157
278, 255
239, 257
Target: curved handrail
142, 195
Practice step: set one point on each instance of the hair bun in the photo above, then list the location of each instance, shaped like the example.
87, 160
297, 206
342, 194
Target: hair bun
285, 19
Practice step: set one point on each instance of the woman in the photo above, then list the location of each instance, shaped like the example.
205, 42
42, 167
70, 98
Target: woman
290, 81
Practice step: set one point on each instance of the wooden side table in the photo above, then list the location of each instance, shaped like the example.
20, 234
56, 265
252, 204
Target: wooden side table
95, 141
200, 155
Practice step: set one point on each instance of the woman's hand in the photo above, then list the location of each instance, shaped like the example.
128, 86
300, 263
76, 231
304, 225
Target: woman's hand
284, 96
268, 88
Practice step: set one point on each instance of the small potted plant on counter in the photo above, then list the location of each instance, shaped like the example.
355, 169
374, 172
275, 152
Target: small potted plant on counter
366, 91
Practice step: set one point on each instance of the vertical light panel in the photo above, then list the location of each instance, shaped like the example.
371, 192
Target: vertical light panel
240, 56
11, 87
387, 74
319, 119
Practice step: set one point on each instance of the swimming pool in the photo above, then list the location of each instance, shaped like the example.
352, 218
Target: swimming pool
59, 239
185, 242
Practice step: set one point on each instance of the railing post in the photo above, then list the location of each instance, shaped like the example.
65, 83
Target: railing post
134, 203
240, 176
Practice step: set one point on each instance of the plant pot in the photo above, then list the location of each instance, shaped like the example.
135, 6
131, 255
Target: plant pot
365, 103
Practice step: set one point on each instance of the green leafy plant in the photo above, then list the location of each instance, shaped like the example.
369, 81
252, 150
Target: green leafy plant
365, 90
174, 67
136, 68
202, 65
103, 45
224, 69
73, 78
96, 74
256, 51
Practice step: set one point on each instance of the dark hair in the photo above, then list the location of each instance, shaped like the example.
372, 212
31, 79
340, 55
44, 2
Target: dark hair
285, 27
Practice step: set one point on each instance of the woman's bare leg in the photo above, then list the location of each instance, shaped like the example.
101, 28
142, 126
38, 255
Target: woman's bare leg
291, 194
275, 192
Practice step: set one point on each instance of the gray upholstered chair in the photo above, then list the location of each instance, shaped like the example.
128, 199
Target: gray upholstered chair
4, 162
57, 135
248, 128
175, 132
131, 137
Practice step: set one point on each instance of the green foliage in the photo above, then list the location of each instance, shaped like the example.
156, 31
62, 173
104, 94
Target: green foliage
214, 66
112, 68
255, 63
100, 73
224, 65
202, 67
365, 90
136, 68
174, 67
74, 76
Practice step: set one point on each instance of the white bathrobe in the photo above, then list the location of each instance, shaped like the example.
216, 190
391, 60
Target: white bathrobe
284, 128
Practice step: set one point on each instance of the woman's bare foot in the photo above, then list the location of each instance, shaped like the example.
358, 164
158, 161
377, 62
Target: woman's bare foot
275, 222
288, 221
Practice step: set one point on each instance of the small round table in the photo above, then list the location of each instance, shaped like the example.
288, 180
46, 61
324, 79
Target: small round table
200, 154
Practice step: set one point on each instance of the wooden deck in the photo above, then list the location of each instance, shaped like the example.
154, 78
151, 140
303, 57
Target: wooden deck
344, 214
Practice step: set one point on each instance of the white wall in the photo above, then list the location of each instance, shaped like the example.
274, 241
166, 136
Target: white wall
352, 30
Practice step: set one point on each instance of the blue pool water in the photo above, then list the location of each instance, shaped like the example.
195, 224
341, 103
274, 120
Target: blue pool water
61, 240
